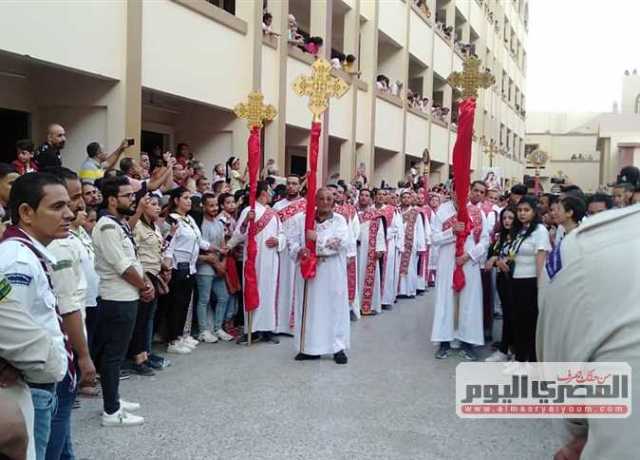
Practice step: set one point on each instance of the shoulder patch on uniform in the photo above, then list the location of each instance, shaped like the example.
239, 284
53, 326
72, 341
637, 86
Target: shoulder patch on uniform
108, 227
62, 264
5, 288
19, 279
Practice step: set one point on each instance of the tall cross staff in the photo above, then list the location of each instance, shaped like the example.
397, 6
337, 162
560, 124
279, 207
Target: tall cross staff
468, 82
319, 88
491, 150
255, 112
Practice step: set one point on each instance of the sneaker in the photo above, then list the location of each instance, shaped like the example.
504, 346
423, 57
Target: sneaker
186, 344
142, 369
442, 353
387, 307
340, 357
158, 360
222, 335
352, 316
178, 348
124, 374
207, 337
121, 418
497, 357
129, 406
468, 354
190, 341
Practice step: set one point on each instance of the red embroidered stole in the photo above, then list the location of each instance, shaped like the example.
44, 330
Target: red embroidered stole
349, 212
264, 219
409, 218
476, 222
346, 210
292, 209
372, 217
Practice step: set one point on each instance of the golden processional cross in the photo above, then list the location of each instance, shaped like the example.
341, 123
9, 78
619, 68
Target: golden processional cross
471, 79
320, 86
254, 111
490, 149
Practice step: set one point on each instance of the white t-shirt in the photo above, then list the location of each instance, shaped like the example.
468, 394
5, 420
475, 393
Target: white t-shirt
525, 260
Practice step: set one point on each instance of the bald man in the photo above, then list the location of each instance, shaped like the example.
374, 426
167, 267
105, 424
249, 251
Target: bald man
48, 155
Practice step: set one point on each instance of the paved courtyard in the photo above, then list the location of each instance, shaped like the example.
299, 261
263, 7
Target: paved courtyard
392, 401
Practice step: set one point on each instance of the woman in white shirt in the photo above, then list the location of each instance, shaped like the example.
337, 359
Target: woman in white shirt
529, 252
181, 255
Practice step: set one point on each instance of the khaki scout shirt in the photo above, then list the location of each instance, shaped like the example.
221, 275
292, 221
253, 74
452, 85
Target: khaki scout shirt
115, 253
590, 311
67, 276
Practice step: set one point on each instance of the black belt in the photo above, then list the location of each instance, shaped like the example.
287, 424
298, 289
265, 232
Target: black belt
50, 387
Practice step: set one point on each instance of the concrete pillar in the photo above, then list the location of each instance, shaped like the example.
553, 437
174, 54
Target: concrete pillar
275, 131
132, 81
369, 68
321, 12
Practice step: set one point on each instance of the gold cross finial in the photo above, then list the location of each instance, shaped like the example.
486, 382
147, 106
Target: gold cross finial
320, 86
490, 149
255, 111
470, 79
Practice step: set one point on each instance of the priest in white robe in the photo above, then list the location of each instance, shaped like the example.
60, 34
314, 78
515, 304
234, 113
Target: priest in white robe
468, 329
394, 241
371, 249
415, 242
322, 304
349, 212
269, 241
287, 209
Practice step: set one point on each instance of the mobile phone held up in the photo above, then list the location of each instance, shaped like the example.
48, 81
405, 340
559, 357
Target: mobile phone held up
131, 141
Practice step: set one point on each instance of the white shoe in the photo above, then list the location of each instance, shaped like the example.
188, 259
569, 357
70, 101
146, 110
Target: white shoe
455, 344
222, 335
190, 341
121, 418
178, 348
129, 406
207, 337
497, 357
184, 344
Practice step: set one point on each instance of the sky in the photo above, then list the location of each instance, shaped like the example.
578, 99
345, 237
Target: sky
577, 52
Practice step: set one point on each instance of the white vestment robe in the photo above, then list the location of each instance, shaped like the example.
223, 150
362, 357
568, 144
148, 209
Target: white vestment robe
421, 284
470, 322
267, 260
322, 322
363, 263
287, 210
408, 283
395, 246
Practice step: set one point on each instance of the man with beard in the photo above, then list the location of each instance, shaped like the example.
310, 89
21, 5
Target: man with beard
70, 286
48, 155
394, 237
122, 285
348, 211
90, 195
415, 243
287, 208
371, 248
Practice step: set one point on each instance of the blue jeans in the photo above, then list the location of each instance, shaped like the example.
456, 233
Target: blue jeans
59, 446
44, 404
208, 285
151, 316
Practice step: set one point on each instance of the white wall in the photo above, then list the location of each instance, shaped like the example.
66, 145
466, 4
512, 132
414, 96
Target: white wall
85, 35
391, 19
417, 134
421, 39
192, 56
388, 126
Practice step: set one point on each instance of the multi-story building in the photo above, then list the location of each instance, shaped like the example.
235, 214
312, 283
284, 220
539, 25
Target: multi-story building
589, 148
169, 71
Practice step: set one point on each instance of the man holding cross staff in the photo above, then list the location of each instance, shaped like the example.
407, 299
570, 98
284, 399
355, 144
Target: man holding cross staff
460, 232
